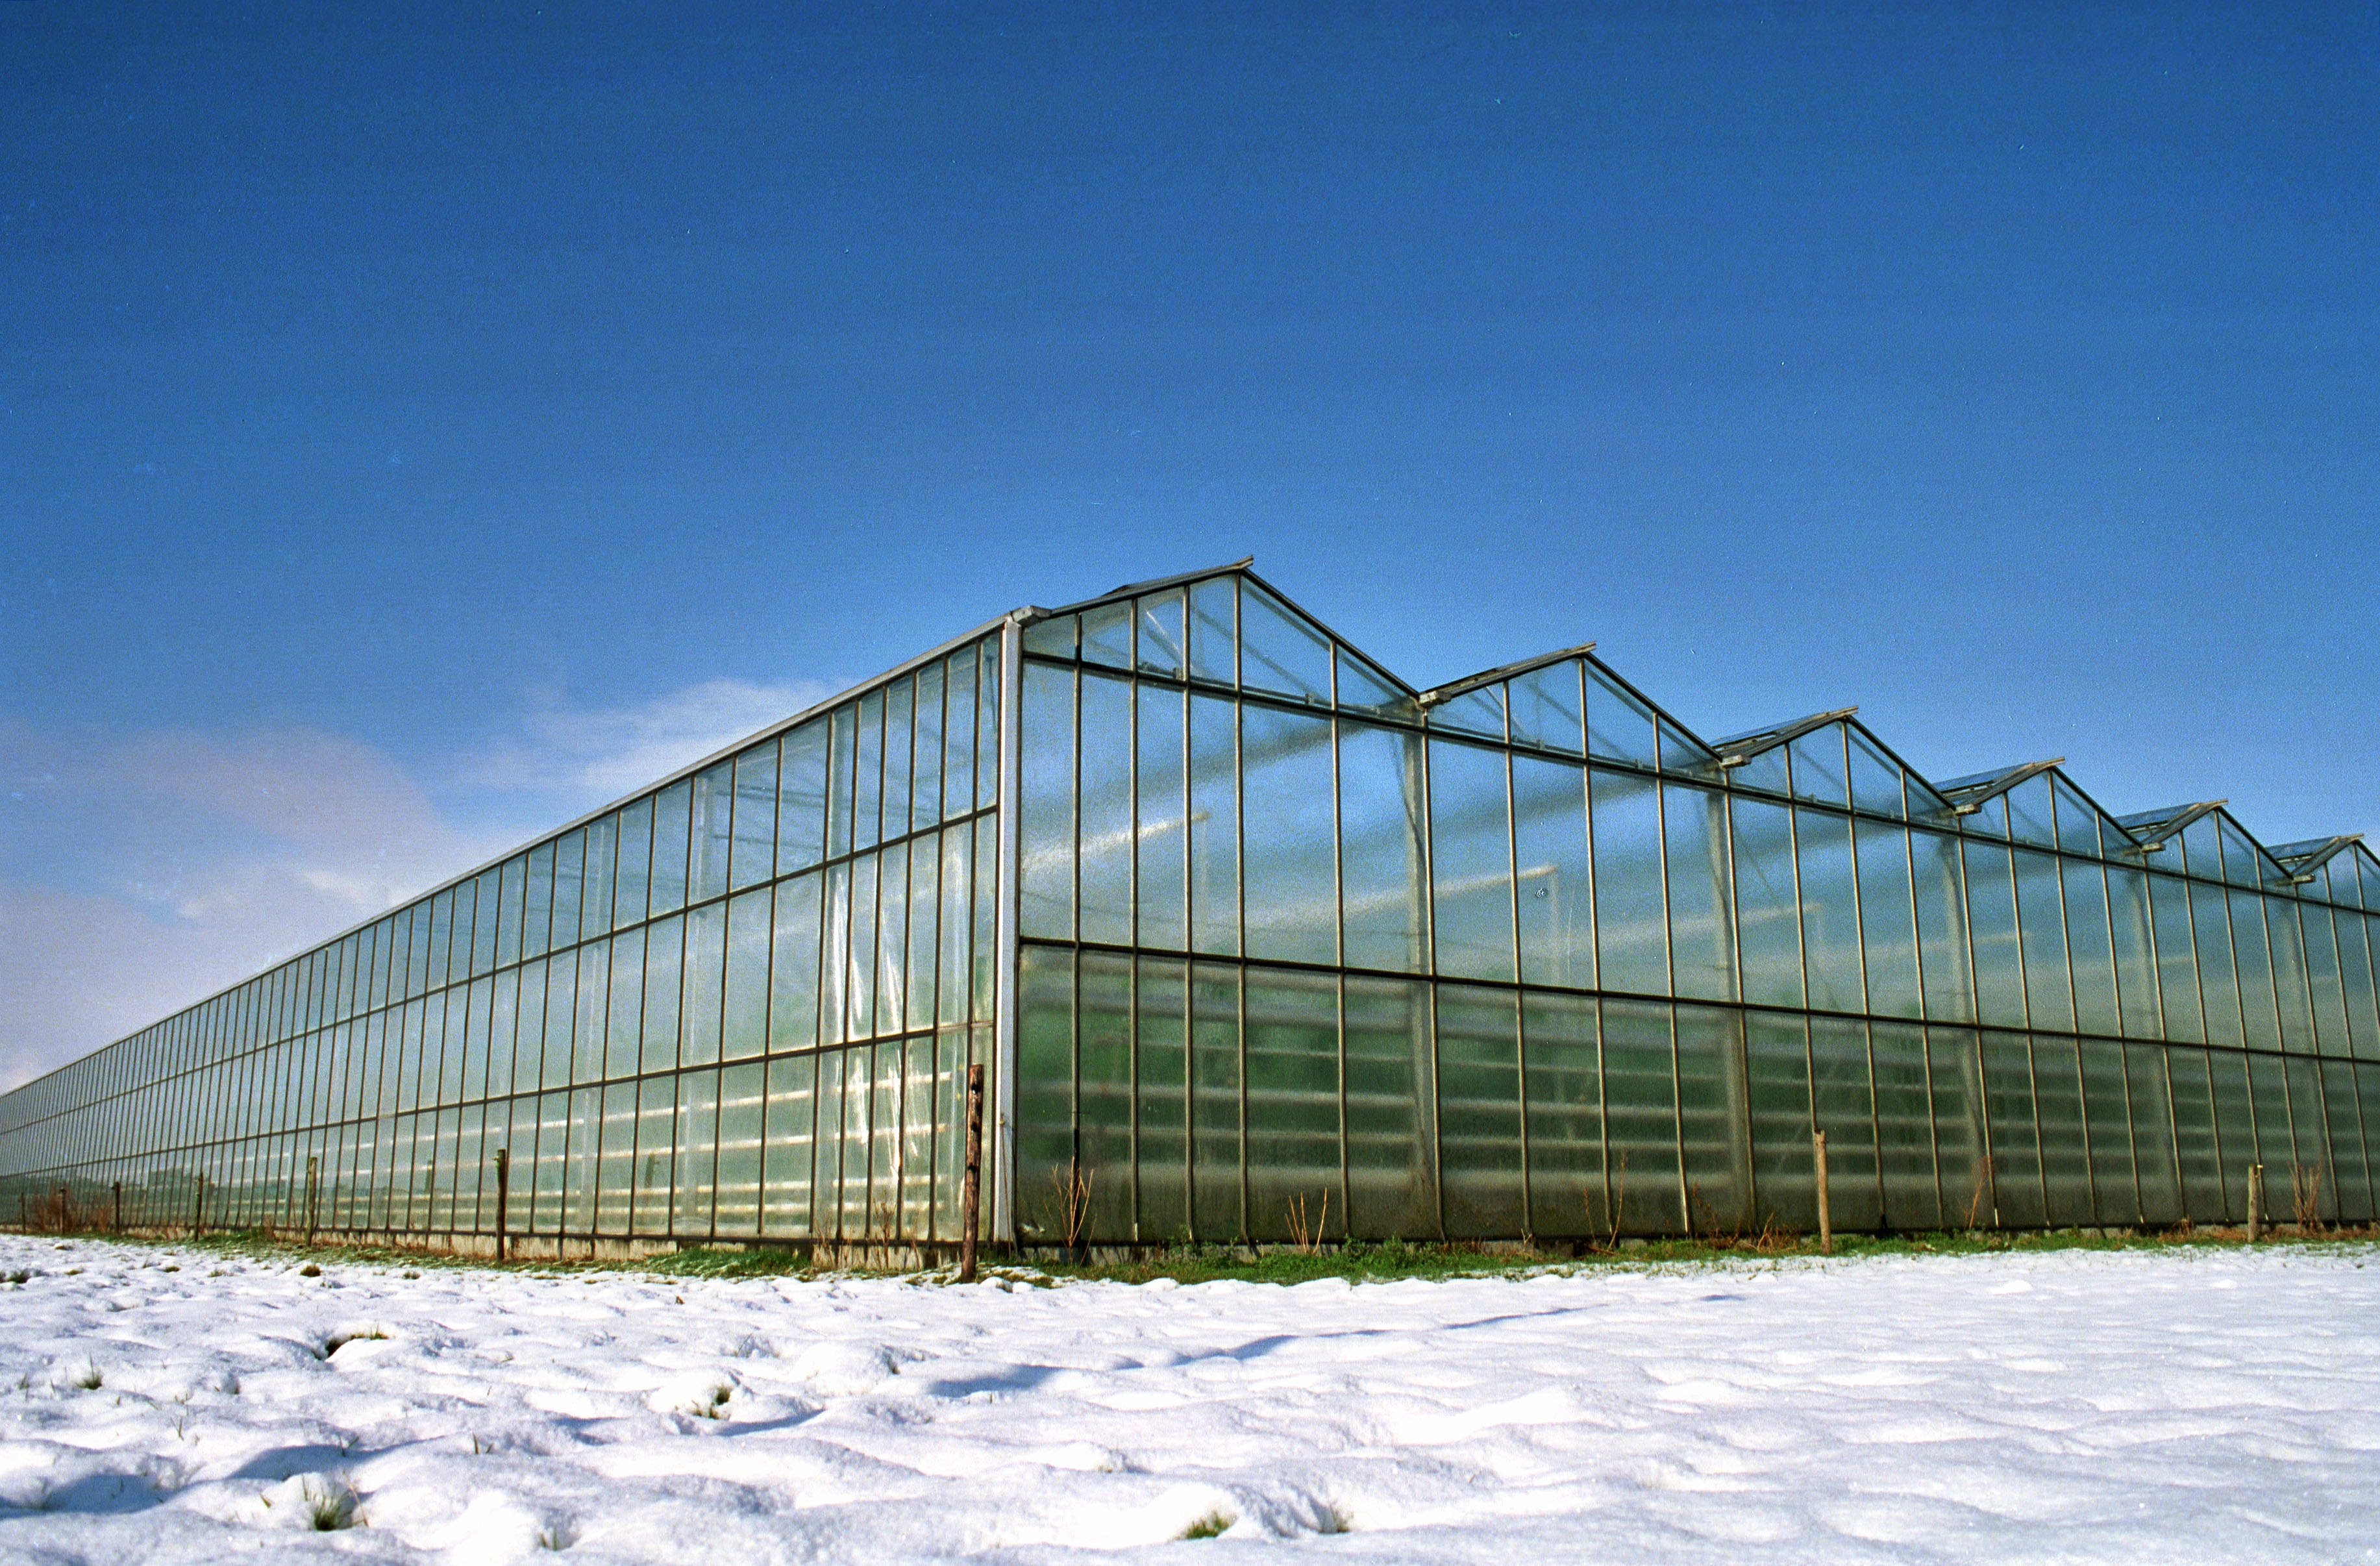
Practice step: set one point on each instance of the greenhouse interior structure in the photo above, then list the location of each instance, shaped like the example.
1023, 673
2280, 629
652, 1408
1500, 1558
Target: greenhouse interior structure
1260, 944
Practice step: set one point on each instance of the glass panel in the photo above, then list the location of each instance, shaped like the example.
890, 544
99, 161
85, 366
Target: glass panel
752, 858
2065, 1153
1103, 1094
1556, 873
1842, 1104
866, 803
2243, 863
2202, 847
1767, 772
2090, 954
1161, 650
694, 1180
1214, 630
1160, 1090
1820, 767
1546, 705
1641, 1117
1989, 818
1777, 1066
603, 862
1618, 726
1943, 953
1278, 651
1161, 863
2152, 1143
1887, 921
1563, 1092
961, 717
2351, 1172
2290, 974
1904, 1127
1292, 1072
665, 976
1830, 942
794, 965
2177, 961
2032, 814
1046, 821
2108, 1117
636, 862
1291, 896
2276, 1147
1479, 1112
713, 808
1381, 851
1876, 777
1216, 1102
2355, 978
1702, 937
1104, 883
2041, 914
2135, 952
1471, 859
1045, 1086
671, 809
1711, 1111
1955, 1066
2235, 1127
1477, 711
744, 1029
538, 927
1768, 922
740, 1100
1632, 924
1214, 826
2078, 823
2325, 992
1107, 635
1053, 637
2193, 1127
1362, 689
926, 793
2255, 960
706, 951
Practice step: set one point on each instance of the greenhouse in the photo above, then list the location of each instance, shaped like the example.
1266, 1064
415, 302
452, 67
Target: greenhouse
1260, 944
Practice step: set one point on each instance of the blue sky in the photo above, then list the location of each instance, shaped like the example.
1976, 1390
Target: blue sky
414, 429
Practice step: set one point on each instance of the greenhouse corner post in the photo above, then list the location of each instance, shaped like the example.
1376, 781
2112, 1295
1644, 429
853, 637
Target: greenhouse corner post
1003, 1087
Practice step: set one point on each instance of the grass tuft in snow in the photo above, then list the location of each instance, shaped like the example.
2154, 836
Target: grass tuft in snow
1211, 1525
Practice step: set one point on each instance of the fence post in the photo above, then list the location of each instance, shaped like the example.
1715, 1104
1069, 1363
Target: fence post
503, 1194
1818, 1168
972, 1189
2255, 1202
199, 1209
116, 1218
314, 1188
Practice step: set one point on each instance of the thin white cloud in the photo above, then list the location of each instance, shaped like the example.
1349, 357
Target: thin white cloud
140, 873
594, 754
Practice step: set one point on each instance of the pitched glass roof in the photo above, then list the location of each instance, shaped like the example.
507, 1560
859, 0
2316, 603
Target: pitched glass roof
1228, 625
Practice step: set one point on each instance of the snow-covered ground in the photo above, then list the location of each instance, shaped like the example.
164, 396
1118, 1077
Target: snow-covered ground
2220, 1406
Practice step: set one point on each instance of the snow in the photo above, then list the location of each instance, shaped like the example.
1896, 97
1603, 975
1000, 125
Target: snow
2217, 1405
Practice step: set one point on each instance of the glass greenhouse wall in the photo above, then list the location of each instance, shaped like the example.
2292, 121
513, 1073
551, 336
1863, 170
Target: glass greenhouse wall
1256, 939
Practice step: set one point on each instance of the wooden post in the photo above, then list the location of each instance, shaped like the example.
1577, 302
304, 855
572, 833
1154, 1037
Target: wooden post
971, 1189
2255, 1202
1818, 1168
313, 1189
199, 1209
503, 1194
115, 1220
67, 1213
